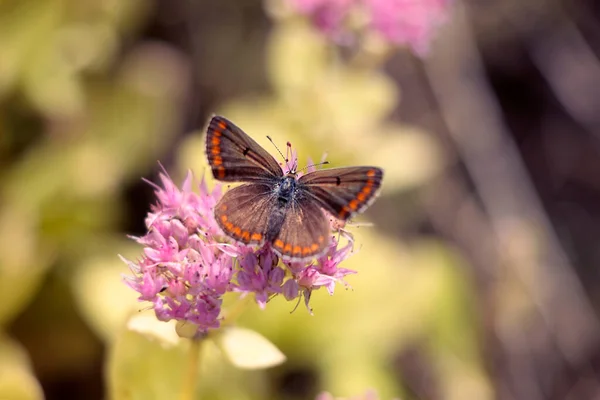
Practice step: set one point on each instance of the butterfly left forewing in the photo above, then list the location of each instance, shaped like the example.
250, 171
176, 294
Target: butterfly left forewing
304, 233
234, 156
343, 192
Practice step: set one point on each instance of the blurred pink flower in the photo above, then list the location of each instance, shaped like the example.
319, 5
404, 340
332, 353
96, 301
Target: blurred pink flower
186, 268
408, 22
327, 15
399, 22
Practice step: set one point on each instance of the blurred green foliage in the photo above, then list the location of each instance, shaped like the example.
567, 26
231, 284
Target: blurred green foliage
91, 122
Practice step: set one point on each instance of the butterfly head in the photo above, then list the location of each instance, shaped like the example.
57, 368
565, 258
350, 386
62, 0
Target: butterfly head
287, 186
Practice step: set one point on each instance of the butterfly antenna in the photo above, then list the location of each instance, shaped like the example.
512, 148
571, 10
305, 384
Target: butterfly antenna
279, 151
324, 157
314, 165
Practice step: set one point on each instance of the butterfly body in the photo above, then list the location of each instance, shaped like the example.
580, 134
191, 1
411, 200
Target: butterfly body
281, 209
285, 191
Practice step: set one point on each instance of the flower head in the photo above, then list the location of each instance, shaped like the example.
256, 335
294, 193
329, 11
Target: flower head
408, 22
325, 273
327, 15
399, 22
187, 265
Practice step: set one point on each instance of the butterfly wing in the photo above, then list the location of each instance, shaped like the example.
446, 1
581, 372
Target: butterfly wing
243, 212
343, 192
304, 233
234, 156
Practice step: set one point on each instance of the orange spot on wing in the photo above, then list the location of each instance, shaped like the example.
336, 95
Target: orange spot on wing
361, 197
371, 173
216, 150
367, 189
314, 247
215, 140
353, 205
287, 248
246, 235
220, 173
278, 243
218, 161
321, 239
297, 250
224, 218
237, 231
223, 207
257, 237
228, 226
306, 251
222, 125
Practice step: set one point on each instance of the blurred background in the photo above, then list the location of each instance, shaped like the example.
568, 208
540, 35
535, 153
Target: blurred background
479, 278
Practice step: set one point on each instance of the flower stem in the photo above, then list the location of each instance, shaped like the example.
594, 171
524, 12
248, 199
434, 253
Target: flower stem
191, 375
236, 310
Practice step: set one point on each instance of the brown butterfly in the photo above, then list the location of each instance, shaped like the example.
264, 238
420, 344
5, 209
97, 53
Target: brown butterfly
277, 208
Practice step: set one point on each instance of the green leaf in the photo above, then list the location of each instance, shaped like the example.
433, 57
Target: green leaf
23, 261
104, 300
296, 57
146, 361
248, 349
410, 157
17, 381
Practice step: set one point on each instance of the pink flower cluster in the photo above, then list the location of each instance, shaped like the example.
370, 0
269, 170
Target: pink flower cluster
400, 22
188, 265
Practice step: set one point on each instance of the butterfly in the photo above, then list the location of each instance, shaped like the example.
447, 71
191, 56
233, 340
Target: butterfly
280, 208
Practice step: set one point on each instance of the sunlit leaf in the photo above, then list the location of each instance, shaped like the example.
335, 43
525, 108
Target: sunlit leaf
23, 261
354, 102
88, 46
297, 57
147, 325
51, 83
17, 381
409, 156
23, 26
248, 349
146, 361
104, 299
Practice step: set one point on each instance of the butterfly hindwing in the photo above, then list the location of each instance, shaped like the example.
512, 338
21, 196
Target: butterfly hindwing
243, 212
304, 233
234, 156
343, 191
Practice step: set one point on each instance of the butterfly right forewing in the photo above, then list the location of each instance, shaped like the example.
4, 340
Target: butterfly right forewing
235, 157
343, 192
